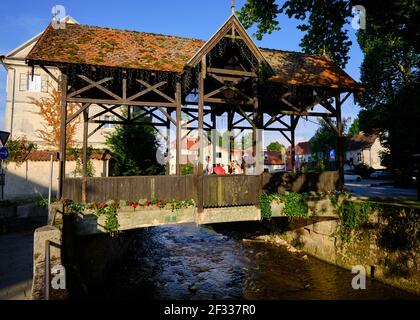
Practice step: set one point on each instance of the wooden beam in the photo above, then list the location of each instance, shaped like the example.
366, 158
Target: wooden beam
131, 122
143, 92
307, 114
124, 89
292, 144
168, 116
111, 110
84, 153
340, 143
200, 192
102, 112
63, 131
289, 104
88, 87
228, 101
232, 72
178, 97
251, 122
122, 102
50, 74
156, 91
78, 112
346, 97
96, 130
97, 85
285, 136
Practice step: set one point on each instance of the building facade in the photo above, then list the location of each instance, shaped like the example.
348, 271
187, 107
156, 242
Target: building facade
366, 150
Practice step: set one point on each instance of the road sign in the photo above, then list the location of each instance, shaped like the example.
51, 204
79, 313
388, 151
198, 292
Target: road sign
4, 153
4, 136
332, 154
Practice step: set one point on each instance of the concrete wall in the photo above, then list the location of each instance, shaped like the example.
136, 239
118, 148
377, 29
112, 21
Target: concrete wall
388, 242
31, 178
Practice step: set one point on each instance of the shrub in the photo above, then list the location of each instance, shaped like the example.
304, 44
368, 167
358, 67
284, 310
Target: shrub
294, 205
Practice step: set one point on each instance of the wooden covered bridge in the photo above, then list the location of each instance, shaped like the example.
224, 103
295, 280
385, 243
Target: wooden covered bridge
166, 76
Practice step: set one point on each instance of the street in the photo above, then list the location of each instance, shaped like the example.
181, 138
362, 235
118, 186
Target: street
367, 188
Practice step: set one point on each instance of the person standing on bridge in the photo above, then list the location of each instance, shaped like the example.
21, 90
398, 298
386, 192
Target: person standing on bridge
209, 166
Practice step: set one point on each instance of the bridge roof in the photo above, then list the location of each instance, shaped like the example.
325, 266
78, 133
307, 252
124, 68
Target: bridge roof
105, 47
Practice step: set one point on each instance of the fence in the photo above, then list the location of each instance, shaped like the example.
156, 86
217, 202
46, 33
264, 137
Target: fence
209, 191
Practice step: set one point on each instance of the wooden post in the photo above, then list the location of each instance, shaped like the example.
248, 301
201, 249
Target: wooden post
200, 121
340, 143
84, 153
257, 129
255, 120
231, 138
63, 127
168, 146
178, 128
294, 120
200, 180
214, 138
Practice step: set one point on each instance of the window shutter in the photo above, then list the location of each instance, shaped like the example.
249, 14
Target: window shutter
44, 83
23, 82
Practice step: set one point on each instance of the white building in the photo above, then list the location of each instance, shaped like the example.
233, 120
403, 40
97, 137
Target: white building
365, 149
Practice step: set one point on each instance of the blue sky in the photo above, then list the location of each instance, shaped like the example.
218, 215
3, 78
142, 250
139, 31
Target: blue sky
23, 19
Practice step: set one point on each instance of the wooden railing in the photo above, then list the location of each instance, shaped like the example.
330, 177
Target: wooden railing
207, 191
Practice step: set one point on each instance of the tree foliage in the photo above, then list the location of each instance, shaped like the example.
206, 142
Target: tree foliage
390, 74
324, 140
354, 129
275, 146
49, 108
323, 22
390, 69
133, 148
19, 149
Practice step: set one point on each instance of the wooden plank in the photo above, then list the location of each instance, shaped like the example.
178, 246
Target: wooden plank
123, 102
232, 72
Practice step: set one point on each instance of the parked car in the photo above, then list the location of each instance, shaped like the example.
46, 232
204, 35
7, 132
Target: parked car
381, 175
351, 176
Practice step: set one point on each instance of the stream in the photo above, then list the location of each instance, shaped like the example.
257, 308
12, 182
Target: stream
196, 262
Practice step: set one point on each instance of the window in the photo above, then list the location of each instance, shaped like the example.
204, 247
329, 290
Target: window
108, 125
35, 83
219, 155
359, 157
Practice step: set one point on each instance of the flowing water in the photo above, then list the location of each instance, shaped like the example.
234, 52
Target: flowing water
193, 262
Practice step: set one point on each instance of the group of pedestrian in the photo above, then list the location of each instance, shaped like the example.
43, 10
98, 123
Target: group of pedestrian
233, 168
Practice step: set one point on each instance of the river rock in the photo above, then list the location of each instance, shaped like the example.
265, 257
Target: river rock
192, 288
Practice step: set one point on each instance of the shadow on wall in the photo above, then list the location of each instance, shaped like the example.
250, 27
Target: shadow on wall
318, 182
399, 236
25, 185
31, 178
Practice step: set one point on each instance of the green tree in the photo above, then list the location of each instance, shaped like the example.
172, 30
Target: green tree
390, 69
324, 140
275, 146
19, 149
323, 22
354, 129
133, 148
390, 74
